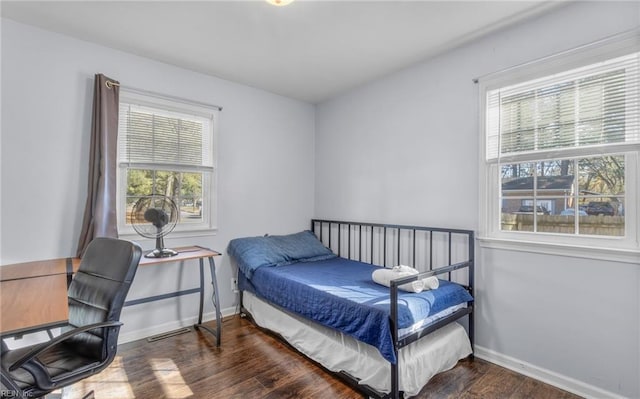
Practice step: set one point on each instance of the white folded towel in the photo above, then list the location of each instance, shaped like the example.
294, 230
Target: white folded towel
430, 283
383, 276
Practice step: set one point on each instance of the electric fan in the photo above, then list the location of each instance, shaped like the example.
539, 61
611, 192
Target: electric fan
155, 216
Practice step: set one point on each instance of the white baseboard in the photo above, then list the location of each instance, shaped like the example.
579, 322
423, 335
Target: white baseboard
173, 325
547, 376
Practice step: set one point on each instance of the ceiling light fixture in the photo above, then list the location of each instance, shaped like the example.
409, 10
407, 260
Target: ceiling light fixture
279, 3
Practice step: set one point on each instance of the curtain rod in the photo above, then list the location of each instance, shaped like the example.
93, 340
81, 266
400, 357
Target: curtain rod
628, 34
111, 84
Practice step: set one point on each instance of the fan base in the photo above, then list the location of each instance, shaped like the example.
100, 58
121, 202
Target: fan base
161, 253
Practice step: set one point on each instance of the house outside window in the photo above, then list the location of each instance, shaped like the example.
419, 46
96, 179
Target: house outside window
560, 151
167, 147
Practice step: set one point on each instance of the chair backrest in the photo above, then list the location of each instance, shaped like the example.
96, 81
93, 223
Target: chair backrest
98, 291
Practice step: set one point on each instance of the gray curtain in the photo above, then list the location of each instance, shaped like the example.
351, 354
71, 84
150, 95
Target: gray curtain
100, 209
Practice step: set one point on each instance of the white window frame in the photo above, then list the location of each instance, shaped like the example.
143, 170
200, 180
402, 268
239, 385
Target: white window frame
208, 226
621, 249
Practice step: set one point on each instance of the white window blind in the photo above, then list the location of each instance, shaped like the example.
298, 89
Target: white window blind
592, 109
167, 146
153, 138
560, 162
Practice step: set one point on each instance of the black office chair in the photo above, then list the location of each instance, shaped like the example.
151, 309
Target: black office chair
88, 342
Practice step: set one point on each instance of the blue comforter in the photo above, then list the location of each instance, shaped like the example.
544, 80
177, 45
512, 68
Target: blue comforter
339, 293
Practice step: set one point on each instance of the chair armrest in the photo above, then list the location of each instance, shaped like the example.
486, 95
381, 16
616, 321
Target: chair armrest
38, 349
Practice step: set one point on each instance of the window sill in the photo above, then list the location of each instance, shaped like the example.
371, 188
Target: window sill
133, 236
576, 251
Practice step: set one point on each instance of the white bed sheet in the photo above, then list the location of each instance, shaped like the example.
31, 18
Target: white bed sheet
418, 361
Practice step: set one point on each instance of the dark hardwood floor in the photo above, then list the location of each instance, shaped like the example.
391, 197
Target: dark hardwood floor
253, 364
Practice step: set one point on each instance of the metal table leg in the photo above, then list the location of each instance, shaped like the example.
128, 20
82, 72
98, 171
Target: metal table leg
214, 298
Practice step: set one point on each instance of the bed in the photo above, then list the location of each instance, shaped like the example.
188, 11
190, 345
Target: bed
315, 290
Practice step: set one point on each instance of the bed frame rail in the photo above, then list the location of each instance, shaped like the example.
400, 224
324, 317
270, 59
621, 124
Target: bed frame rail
430, 250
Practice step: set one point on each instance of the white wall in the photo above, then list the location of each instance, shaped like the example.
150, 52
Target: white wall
265, 180
404, 149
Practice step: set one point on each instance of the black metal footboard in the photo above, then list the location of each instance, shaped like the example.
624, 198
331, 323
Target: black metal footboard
432, 251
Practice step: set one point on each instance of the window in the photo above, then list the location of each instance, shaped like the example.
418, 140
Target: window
167, 147
560, 153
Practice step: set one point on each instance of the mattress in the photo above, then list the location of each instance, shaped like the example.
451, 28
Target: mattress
337, 352
339, 293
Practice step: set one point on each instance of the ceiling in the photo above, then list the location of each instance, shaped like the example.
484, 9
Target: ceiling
310, 50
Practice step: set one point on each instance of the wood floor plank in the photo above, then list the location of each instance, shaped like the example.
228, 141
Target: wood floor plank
251, 364
500, 384
457, 380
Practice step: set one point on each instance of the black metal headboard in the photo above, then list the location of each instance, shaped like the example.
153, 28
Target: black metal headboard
424, 248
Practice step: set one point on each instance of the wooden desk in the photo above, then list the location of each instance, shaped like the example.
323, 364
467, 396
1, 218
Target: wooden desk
49, 279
